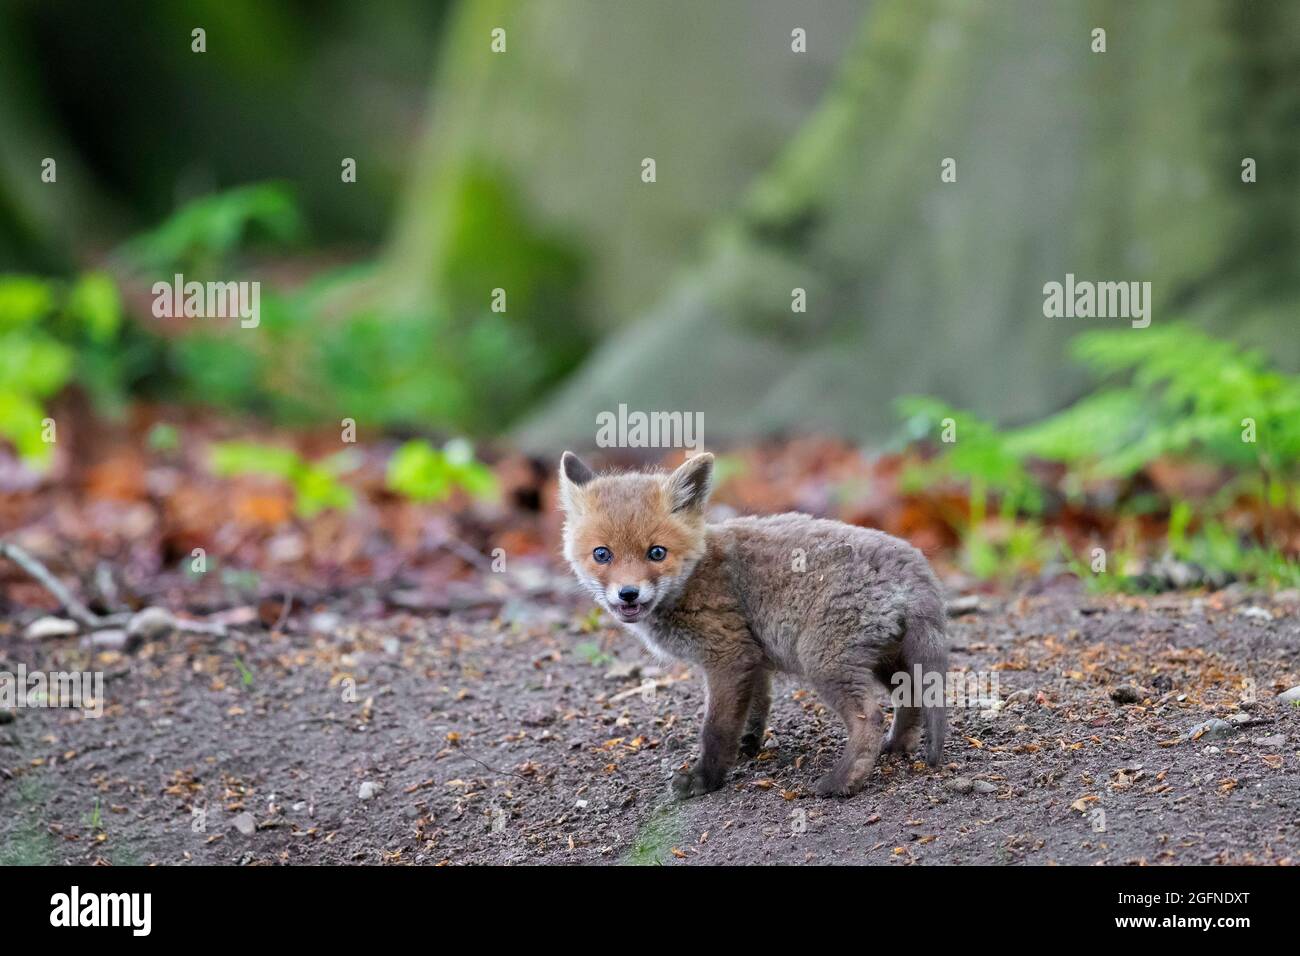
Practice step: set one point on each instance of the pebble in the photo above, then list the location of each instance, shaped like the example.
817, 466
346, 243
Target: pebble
245, 823
983, 786
966, 604
1276, 740
1214, 729
369, 790
960, 785
1126, 694
111, 639
1290, 696
44, 627
151, 624
324, 622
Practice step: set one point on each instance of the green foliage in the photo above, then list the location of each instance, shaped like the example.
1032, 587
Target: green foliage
421, 472
164, 438
316, 485
592, 654
1214, 545
1171, 391
52, 333
336, 347
1189, 395
204, 233
978, 454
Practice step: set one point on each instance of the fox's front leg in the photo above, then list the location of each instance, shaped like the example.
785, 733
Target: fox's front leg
727, 696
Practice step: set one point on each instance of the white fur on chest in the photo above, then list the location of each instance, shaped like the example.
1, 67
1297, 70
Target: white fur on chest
664, 644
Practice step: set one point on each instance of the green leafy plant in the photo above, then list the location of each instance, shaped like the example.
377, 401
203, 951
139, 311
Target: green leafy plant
1188, 394
54, 332
201, 235
421, 472
316, 484
1170, 392
979, 458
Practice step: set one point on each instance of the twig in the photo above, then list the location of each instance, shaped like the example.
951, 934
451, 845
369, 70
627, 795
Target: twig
466, 553
285, 608
82, 614
640, 688
496, 770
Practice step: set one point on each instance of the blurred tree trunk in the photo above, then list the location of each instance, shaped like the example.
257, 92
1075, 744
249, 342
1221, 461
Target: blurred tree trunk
1123, 165
544, 142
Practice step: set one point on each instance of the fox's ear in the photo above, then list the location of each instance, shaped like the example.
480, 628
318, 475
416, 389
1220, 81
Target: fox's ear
573, 468
574, 473
690, 484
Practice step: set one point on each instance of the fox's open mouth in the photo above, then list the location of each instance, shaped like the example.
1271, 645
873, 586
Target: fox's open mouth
628, 612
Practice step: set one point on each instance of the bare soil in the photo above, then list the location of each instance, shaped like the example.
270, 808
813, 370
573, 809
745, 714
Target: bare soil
522, 730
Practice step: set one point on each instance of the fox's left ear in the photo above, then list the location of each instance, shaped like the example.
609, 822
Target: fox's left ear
690, 484
574, 473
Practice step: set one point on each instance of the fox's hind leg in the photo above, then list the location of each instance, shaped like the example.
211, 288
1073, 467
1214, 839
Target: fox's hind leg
857, 707
905, 734
751, 740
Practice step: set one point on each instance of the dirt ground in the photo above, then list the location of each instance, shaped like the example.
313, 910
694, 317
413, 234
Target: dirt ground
521, 728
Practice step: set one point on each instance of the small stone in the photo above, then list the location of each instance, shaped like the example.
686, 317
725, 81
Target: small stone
324, 622
44, 627
111, 639
1126, 694
1256, 613
1290, 696
151, 624
966, 604
1213, 729
1275, 740
960, 785
984, 786
369, 790
245, 823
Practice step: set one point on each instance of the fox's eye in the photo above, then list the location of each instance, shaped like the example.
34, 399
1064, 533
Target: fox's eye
602, 555
657, 553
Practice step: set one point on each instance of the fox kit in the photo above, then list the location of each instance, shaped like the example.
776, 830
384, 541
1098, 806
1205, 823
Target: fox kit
845, 608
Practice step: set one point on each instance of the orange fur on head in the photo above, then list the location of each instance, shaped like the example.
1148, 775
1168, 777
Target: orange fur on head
630, 515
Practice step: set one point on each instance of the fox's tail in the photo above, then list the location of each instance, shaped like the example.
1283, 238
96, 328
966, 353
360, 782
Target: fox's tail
925, 645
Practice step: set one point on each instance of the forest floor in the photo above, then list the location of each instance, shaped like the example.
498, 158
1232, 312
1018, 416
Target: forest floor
510, 724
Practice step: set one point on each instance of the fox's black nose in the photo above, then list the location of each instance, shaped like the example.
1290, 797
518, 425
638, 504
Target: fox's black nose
627, 593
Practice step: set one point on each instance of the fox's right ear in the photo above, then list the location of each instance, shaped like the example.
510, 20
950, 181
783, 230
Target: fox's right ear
574, 473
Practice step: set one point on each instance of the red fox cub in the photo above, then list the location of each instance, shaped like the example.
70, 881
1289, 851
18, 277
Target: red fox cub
845, 608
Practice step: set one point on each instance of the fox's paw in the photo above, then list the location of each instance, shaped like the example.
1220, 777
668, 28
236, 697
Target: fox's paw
751, 744
839, 784
904, 744
695, 782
